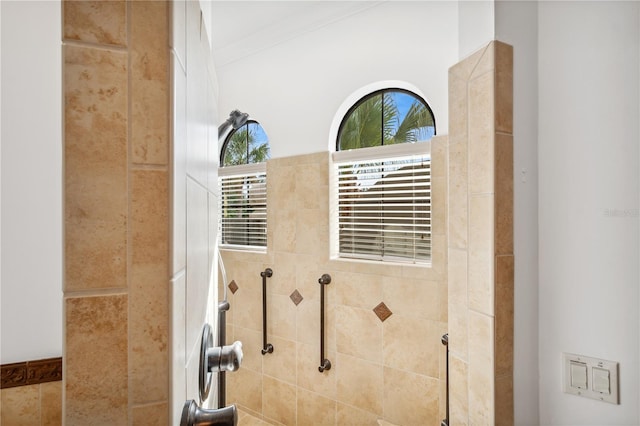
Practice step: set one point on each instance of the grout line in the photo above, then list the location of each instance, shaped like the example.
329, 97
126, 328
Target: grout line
98, 292
95, 45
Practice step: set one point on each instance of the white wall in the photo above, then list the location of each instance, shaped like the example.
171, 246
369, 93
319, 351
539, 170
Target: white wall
588, 201
516, 23
476, 25
31, 280
295, 88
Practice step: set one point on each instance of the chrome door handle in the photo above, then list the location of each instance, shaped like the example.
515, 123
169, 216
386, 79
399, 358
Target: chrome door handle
192, 415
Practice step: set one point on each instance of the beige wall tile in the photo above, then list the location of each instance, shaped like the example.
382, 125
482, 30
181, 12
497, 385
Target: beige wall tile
244, 387
458, 391
246, 274
314, 409
251, 347
308, 375
150, 219
312, 232
504, 401
149, 331
149, 82
348, 415
411, 297
443, 297
309, 268
458, 106
410, 399
504, 315
103, 22
360, 383
308, 321
480, 285
481, 134
504, 87
95, 168
281, 184
422, 336
458, 276
51, 403
247, 303
357, 290
284, 229
278, 364
439, 154
439, 206
458, 329
504, 194
438, 257
359, 333
312, 191
21, 406
96, 329
279, 401
283, 280
458, 193
281, 317
481, 369
150, 415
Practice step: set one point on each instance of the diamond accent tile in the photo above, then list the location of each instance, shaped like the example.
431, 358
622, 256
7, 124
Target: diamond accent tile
233, 286
382, 311
296, 297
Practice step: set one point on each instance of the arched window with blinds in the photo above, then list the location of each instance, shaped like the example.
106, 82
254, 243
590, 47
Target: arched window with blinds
381, 190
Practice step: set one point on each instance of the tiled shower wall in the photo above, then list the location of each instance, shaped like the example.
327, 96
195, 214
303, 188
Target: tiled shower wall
382, 368
37, 405
137, 169
116, 287
481, 237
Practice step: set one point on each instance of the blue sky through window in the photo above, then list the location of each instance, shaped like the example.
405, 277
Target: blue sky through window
403, 102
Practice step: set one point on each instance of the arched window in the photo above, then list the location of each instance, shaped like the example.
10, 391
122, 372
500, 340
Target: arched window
386, 117
242, 179
382, 177
248, 144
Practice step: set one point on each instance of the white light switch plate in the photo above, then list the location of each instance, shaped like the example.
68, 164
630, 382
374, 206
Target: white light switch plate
601, 377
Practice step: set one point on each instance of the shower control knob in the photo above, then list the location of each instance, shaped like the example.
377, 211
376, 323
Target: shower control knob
215, 359
225, 358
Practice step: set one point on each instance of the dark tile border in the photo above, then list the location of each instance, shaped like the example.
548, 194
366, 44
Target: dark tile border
30, 372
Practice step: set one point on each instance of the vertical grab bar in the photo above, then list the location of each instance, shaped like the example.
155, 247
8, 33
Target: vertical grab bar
325, 364
267, 348
223, 307
445, 341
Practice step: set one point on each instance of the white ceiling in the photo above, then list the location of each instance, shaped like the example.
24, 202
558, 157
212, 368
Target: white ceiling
242, 28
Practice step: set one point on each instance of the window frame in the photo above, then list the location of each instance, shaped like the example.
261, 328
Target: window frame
376, 153
227, 139
250, 171
377, 92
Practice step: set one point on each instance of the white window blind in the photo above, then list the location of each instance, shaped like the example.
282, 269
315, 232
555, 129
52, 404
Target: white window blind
243, 204
384, 206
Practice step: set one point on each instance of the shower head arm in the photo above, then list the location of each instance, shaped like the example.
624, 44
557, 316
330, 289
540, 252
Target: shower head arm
236, 120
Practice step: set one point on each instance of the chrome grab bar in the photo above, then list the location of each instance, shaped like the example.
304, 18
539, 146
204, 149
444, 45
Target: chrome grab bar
192, 415
267, 348
445, 341
325, 364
